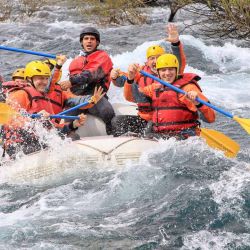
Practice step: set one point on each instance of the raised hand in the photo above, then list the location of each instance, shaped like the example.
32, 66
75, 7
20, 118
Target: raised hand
61, 59
98, 94
172, 31
132, 70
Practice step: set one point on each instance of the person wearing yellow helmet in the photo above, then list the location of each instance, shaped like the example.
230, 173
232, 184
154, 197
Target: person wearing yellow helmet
35, 99
18, 77
176, 115
133, 77
18, 81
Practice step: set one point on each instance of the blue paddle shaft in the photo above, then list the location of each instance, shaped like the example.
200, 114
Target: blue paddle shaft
28, 52
74, 108
184, 93
57, 116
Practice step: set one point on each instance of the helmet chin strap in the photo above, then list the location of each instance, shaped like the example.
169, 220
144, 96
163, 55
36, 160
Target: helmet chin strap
29, 80
154, 70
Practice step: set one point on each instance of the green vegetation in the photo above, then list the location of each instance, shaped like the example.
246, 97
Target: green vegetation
114, 12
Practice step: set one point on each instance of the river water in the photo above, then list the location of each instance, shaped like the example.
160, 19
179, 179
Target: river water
182, 195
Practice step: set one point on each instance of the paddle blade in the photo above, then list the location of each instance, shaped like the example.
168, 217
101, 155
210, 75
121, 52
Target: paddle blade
245, 123
6, 113
217, 140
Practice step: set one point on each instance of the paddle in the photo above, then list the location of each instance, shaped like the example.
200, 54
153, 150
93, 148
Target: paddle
28, 52
74, 108
7, 112
245, 123
214, 139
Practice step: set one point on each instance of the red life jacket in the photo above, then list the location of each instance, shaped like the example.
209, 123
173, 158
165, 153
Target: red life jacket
8, 86
51, 102
170, 114
145, 107
97, 62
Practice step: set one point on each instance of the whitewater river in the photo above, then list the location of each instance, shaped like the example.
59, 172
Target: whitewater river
182, 195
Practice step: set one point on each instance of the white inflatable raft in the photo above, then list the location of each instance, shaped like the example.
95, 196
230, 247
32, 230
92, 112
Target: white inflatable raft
94, 149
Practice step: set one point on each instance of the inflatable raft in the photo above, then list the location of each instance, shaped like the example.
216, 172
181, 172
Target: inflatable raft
94, 149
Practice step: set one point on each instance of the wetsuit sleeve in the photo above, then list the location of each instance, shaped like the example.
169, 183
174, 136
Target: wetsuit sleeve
127, 92
129, 88
148, 90
71, 100
95, 70
206, 114
119, 81
178, 51
55, 78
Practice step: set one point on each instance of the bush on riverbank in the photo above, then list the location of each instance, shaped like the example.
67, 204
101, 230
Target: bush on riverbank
221, 18
20, 8
118, 12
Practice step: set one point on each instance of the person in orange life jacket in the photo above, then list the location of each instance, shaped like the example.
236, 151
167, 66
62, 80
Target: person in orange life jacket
18, 77
90, 69
35, 99
119, 78
176, 114
18, 81
138, 124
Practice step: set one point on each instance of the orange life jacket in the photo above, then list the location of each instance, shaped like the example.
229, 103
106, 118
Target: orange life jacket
97, 62
51, 102
169, 113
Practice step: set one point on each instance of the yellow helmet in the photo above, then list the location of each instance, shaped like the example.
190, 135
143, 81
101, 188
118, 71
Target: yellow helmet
167, 61
36, 68
18, 73
155, 50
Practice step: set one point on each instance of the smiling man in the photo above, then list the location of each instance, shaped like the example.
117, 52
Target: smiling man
35, 99
89, 70
176, 115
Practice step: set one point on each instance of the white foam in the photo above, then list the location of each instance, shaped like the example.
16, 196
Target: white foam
227, 57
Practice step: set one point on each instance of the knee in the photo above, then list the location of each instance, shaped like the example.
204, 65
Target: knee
107, 115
